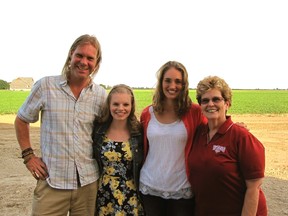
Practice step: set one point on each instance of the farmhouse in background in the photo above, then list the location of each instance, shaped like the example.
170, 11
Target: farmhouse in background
22, 84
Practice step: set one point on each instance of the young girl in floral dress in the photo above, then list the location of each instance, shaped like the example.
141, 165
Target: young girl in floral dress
118, 148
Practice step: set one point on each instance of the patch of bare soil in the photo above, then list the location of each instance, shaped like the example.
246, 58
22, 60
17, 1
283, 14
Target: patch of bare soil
17, 184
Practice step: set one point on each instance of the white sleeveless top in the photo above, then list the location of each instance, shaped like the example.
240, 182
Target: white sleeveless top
163, 173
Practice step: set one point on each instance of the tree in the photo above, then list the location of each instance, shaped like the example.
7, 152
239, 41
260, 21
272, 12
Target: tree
4, 85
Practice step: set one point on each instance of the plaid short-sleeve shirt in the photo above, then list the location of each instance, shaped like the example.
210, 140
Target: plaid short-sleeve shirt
66, 129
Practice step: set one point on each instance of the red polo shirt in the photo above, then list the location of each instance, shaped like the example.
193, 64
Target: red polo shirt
218, 169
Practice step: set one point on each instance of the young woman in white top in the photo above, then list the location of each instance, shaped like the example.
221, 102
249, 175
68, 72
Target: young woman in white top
169, 126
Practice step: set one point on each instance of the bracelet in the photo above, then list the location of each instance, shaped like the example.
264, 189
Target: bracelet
26, 152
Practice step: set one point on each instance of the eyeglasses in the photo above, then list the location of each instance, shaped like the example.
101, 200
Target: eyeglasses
215, 100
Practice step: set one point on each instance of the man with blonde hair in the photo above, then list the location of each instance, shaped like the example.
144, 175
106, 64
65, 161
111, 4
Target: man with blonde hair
66, 172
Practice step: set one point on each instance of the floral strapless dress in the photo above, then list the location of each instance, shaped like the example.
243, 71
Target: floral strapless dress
117, 192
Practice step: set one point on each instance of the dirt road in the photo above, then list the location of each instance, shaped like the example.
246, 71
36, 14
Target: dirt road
17, 184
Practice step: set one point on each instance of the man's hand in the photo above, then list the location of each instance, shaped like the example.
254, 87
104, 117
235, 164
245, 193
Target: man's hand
37, 168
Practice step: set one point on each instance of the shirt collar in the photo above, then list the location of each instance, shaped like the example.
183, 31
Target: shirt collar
223, 128
63, 82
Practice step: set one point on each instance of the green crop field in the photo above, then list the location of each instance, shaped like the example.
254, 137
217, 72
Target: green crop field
243, 101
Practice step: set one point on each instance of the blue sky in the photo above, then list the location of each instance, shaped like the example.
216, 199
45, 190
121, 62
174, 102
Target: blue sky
244, 42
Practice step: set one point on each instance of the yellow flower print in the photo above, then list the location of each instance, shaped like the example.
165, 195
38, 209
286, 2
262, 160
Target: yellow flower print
105, 179
126, 146
109, 208
130, 184
103, 211
127, 150
114, 184
128, 155
120, 213
119, 196
135, 211
110, 170
106, 139
112, 156
106, 210
133, 201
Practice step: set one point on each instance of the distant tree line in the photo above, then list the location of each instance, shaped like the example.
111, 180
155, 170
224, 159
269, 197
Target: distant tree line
4, 84
110, 87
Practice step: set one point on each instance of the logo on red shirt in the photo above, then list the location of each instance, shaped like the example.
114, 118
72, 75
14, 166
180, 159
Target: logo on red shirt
218, 148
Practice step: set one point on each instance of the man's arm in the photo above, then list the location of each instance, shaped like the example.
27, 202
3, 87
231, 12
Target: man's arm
33, 163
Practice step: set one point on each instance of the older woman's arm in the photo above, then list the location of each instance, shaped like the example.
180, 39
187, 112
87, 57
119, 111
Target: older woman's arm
251, 197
